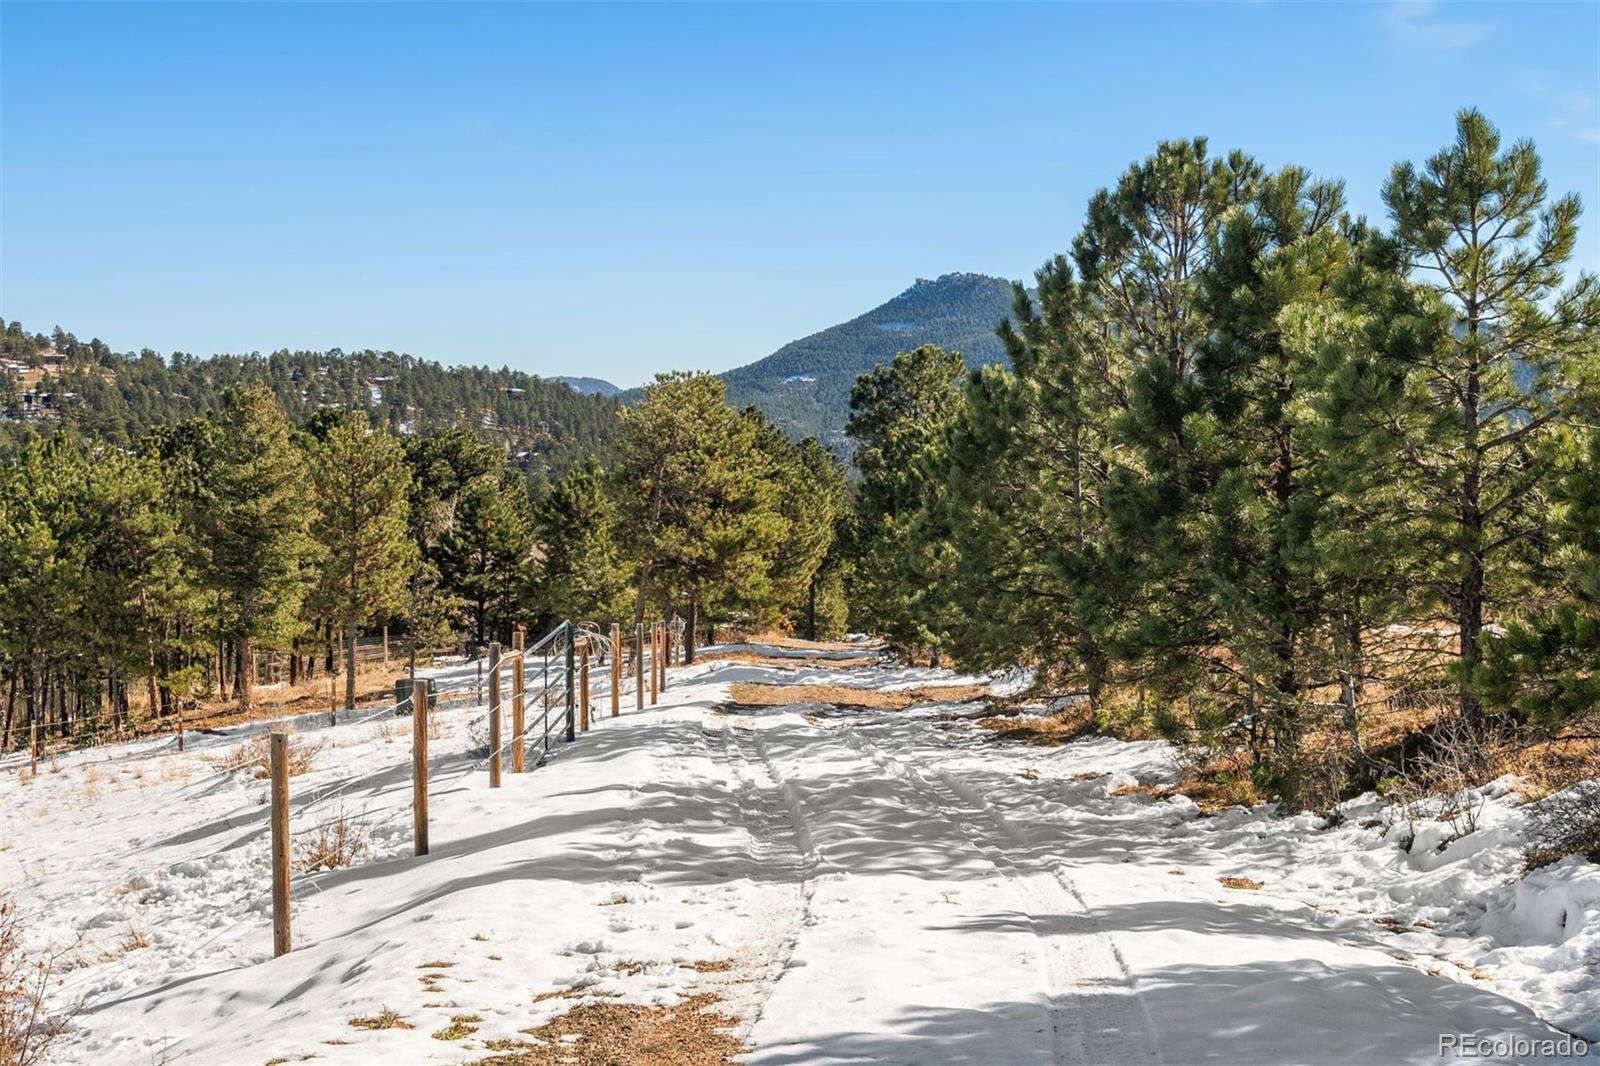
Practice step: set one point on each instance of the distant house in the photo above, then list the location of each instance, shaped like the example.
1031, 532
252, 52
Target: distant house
514, 391
52, 359
799, 379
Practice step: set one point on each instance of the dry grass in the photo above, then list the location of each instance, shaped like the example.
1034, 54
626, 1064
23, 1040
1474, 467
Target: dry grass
1042, 730
255, 755
607, 1034
384, 1019
133, 940
461, 1026
710, 965
438, 964
1244, 884
757, 695
617, 900
780, 639
341, 841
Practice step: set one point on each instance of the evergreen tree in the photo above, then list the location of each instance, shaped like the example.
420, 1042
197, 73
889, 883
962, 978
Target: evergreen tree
1546, 665
584, 573
897, 414
364, 557
809, 488
1141, 256
484, 557
1471, 368
699, 517
251, 515
1254, 499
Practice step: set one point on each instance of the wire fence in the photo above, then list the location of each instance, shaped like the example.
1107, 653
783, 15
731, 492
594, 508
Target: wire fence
557, 685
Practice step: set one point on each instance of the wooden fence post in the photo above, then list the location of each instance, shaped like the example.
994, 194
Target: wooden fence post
655, 660
583, 689
638, 665
279, 768
616, 669
518, 757
666, 653
494, 715
421, 697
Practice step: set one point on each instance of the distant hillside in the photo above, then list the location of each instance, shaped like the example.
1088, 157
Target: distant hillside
805, 385
588, 386
544, 426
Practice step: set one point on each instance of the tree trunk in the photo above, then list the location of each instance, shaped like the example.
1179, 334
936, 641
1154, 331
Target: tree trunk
11, 711
245, 671
811, 609
689, 630
350, 666
1471, 588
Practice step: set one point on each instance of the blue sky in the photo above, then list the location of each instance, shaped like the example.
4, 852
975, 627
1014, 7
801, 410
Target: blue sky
617, 190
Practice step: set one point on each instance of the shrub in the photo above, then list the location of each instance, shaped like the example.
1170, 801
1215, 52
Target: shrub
28, 1028
342, 840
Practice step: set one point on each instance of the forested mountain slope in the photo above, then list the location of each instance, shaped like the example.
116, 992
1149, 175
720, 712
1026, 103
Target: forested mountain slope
547, 425
804, 386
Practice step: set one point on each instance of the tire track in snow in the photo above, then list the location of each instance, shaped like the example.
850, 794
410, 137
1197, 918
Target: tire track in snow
772, 816
1097, 1015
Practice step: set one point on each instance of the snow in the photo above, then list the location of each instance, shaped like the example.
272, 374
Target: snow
888, 886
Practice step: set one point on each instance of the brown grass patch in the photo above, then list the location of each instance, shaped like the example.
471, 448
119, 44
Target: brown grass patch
1244, 884
758, 695
1041, 730
780, 639
688, 1034
711, 966
461, 1026
384, 1019
616, 900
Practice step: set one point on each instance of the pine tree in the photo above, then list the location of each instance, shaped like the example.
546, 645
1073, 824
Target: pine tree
1473, 365
897, 415
360, 484
1141, 256
251, 516
484, 556
1546, 665
584, 573
697, 514
1254, 498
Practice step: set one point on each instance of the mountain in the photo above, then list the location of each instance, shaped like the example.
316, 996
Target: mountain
804, 386
588, 386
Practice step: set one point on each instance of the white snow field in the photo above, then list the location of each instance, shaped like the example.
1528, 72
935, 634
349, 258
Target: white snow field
887, 886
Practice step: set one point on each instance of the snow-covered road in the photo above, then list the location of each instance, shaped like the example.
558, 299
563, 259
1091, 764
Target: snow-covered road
866, 886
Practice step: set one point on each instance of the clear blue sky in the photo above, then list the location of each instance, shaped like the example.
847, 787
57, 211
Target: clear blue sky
616, 190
